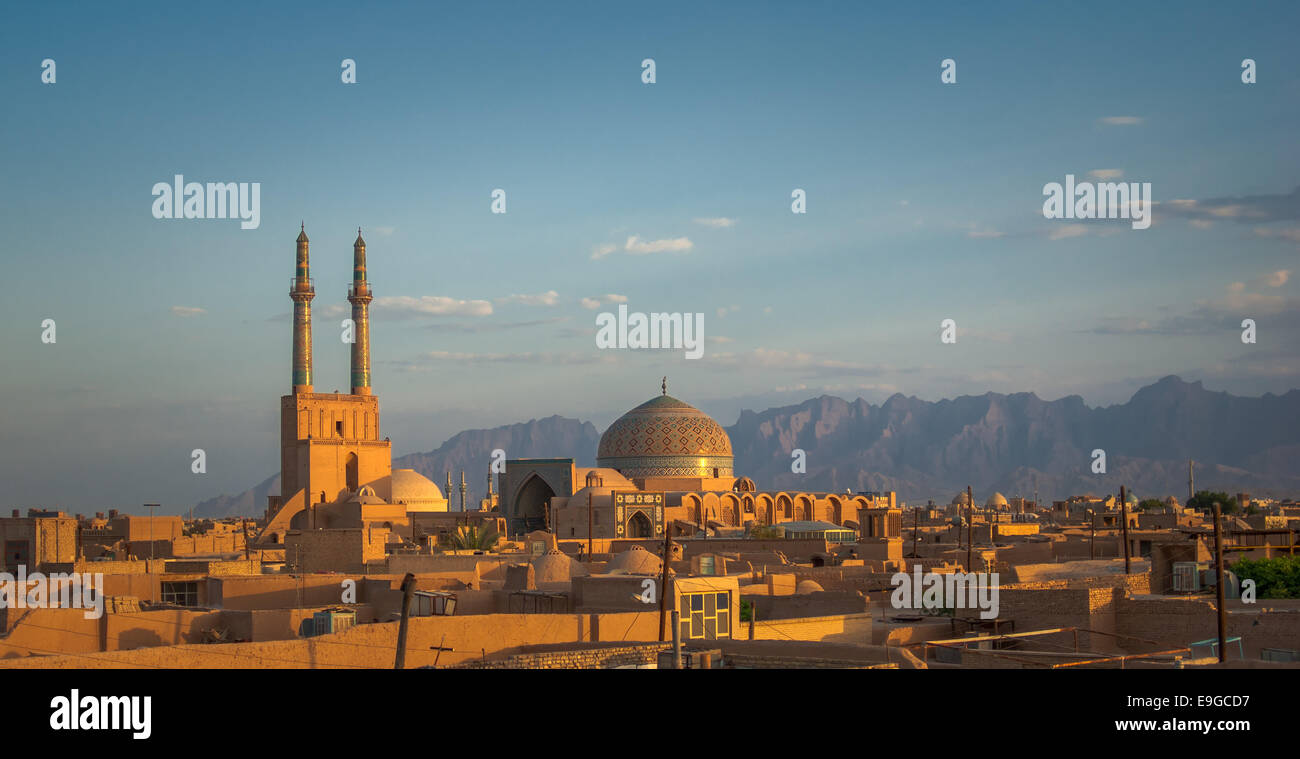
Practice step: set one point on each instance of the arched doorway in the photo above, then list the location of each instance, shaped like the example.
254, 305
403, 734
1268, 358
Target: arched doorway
531, 504
639, 526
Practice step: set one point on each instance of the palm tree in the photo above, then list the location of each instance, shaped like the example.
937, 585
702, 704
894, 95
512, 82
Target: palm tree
471, 538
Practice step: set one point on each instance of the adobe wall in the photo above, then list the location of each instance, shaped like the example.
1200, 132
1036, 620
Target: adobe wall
807, 605
373, 645
591, 658
1039, 608
1175, 621
836, 628
279, 591
216, 568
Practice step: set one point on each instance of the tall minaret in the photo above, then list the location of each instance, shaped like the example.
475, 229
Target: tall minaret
462, 490
301, 293
359, 296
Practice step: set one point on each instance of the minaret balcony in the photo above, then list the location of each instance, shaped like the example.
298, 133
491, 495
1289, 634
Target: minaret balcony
302, 286
359, 290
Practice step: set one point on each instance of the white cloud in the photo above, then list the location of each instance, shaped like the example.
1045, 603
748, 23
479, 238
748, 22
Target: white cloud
1275, 279
1106, 173
600, 251
185, 311
429, 305
1066, 231
600, 300
636, 246
548, 298
720, 222
1120, 120
1284, 234
539, 357
983, 233
797, 361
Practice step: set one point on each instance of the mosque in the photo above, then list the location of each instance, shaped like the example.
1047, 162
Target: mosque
667, 465
664, 465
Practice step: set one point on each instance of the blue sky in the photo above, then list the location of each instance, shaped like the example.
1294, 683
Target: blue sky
924, 203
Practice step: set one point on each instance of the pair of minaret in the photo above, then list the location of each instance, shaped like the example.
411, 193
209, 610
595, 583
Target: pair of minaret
302, 291
464, 488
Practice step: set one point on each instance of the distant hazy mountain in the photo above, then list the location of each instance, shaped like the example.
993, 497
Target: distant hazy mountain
1010, 443
923, 449
471, 450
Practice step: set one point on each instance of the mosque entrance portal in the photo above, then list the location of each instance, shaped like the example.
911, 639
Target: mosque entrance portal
532, 502
639, 526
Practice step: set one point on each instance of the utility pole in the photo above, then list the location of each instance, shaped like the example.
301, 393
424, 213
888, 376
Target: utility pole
244, 524
1218, 585
677, 639
916, 528
970, 529
152, 550
408, 585
589, 527
663, 583
1191, 491
1123, 514
1092, 534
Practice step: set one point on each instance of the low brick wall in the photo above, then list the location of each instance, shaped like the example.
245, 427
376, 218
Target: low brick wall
592, 658
749, 661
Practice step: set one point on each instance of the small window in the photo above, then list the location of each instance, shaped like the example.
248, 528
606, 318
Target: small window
180, 593
338, 427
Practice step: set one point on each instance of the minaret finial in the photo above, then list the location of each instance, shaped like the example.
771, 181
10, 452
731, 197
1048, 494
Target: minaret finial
665, 386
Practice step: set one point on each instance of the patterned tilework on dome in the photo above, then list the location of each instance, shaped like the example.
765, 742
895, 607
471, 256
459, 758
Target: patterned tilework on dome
667, 438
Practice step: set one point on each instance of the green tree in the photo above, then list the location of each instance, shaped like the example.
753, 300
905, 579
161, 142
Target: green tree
1148, 504
1204, 500
1274, 578
471, 538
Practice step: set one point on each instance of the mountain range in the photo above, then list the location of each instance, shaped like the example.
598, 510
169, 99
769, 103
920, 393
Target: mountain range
1016, 444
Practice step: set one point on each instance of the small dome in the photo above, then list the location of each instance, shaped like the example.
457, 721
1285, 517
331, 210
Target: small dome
960, 499
996, 501
302, 236
808, 586
366, 497
360, 243
408, 486
556, 567
411, 489
634, 561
